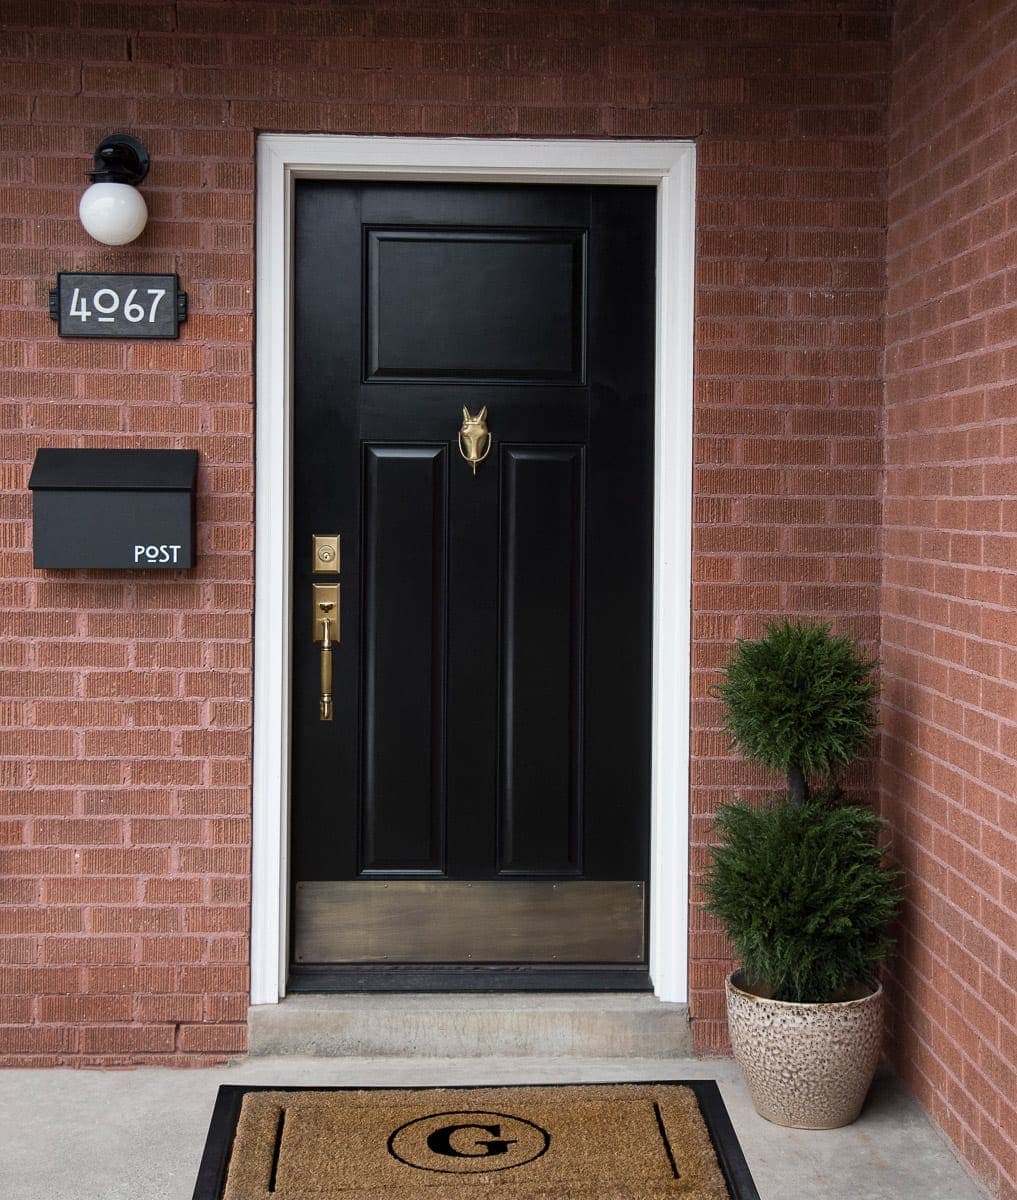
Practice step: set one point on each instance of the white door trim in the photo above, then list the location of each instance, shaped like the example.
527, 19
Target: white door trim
670, 167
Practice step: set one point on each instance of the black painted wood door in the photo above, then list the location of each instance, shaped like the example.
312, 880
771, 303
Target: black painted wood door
481, 796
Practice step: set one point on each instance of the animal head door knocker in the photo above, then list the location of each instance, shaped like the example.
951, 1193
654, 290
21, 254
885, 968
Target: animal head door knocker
474, 437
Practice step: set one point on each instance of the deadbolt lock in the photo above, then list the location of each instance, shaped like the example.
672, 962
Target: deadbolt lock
326, 554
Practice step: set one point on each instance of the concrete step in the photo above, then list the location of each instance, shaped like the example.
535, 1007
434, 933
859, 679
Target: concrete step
580, 1025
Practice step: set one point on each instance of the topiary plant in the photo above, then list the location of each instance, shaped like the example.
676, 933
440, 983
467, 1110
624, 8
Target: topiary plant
800, 700
803, 896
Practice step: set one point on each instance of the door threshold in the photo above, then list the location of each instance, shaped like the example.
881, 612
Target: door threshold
466, 977
442, 1025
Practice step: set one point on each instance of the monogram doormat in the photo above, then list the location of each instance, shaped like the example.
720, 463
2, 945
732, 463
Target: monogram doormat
617, 1141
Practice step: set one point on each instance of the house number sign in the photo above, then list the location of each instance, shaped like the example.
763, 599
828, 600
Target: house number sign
90, 305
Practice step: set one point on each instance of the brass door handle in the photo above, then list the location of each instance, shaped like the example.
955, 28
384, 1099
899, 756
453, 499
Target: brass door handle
326, 617
326, 671
474, 437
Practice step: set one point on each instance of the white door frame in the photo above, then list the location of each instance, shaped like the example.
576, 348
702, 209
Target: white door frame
670, 167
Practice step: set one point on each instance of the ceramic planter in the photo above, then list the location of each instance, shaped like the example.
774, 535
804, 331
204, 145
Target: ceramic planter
807, 1066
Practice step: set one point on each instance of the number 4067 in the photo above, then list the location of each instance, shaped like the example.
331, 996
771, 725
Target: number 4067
107, 302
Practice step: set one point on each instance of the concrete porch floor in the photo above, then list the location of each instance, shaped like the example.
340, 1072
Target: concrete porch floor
122, 1135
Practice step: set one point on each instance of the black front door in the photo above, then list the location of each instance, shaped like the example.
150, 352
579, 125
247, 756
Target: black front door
474, 419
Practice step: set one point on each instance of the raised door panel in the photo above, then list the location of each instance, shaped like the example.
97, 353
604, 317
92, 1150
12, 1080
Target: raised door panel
541, 639
405, 537
492, 306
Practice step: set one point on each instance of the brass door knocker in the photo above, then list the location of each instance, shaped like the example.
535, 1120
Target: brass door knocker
474, 437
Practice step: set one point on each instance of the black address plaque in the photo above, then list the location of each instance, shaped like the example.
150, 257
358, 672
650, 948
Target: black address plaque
93, 304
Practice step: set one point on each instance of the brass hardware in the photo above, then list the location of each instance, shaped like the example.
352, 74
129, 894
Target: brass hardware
443, 921
325, 603
476, 436
325, 705
326, 554
325, 617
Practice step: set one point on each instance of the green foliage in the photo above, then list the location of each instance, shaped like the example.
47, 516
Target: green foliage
802, 893
799, 700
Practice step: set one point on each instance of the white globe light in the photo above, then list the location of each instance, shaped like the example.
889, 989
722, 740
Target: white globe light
113, 213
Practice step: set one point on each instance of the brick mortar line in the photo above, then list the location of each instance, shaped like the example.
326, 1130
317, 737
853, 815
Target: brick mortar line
930, 691
899, 407
930, 1046
902, 99
1006, 307
930, 985
920, 786
928, 560
960, 289
955, 907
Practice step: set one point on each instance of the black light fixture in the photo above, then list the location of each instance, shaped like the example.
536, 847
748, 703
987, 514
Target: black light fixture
112, 210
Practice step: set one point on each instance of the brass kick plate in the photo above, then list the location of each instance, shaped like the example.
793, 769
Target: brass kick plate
325, 603
449, 921
325, 554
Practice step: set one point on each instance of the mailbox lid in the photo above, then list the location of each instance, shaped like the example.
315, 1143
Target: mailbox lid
73, 469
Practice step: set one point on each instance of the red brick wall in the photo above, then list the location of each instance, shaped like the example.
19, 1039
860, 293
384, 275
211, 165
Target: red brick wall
127, 698
949, 628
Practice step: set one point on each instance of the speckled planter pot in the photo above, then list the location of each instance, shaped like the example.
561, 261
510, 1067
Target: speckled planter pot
807, 1066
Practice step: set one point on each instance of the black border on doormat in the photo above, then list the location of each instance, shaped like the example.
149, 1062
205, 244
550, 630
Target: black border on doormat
222, 1128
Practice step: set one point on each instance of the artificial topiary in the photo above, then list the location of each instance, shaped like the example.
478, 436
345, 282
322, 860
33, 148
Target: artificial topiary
803, 896
800, 700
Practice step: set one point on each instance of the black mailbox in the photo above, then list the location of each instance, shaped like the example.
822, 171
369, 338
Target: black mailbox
113, 508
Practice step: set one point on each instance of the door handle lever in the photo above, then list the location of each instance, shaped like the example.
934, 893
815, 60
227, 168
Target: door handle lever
326, 616
325, 704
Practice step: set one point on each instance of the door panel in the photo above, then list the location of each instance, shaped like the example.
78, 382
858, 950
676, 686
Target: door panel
492, 306
405, 547
492, 686
542, 657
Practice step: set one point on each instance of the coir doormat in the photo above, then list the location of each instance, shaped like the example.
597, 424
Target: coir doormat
618, 1141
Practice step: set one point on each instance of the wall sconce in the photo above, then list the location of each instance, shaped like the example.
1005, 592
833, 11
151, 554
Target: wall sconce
112, 210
